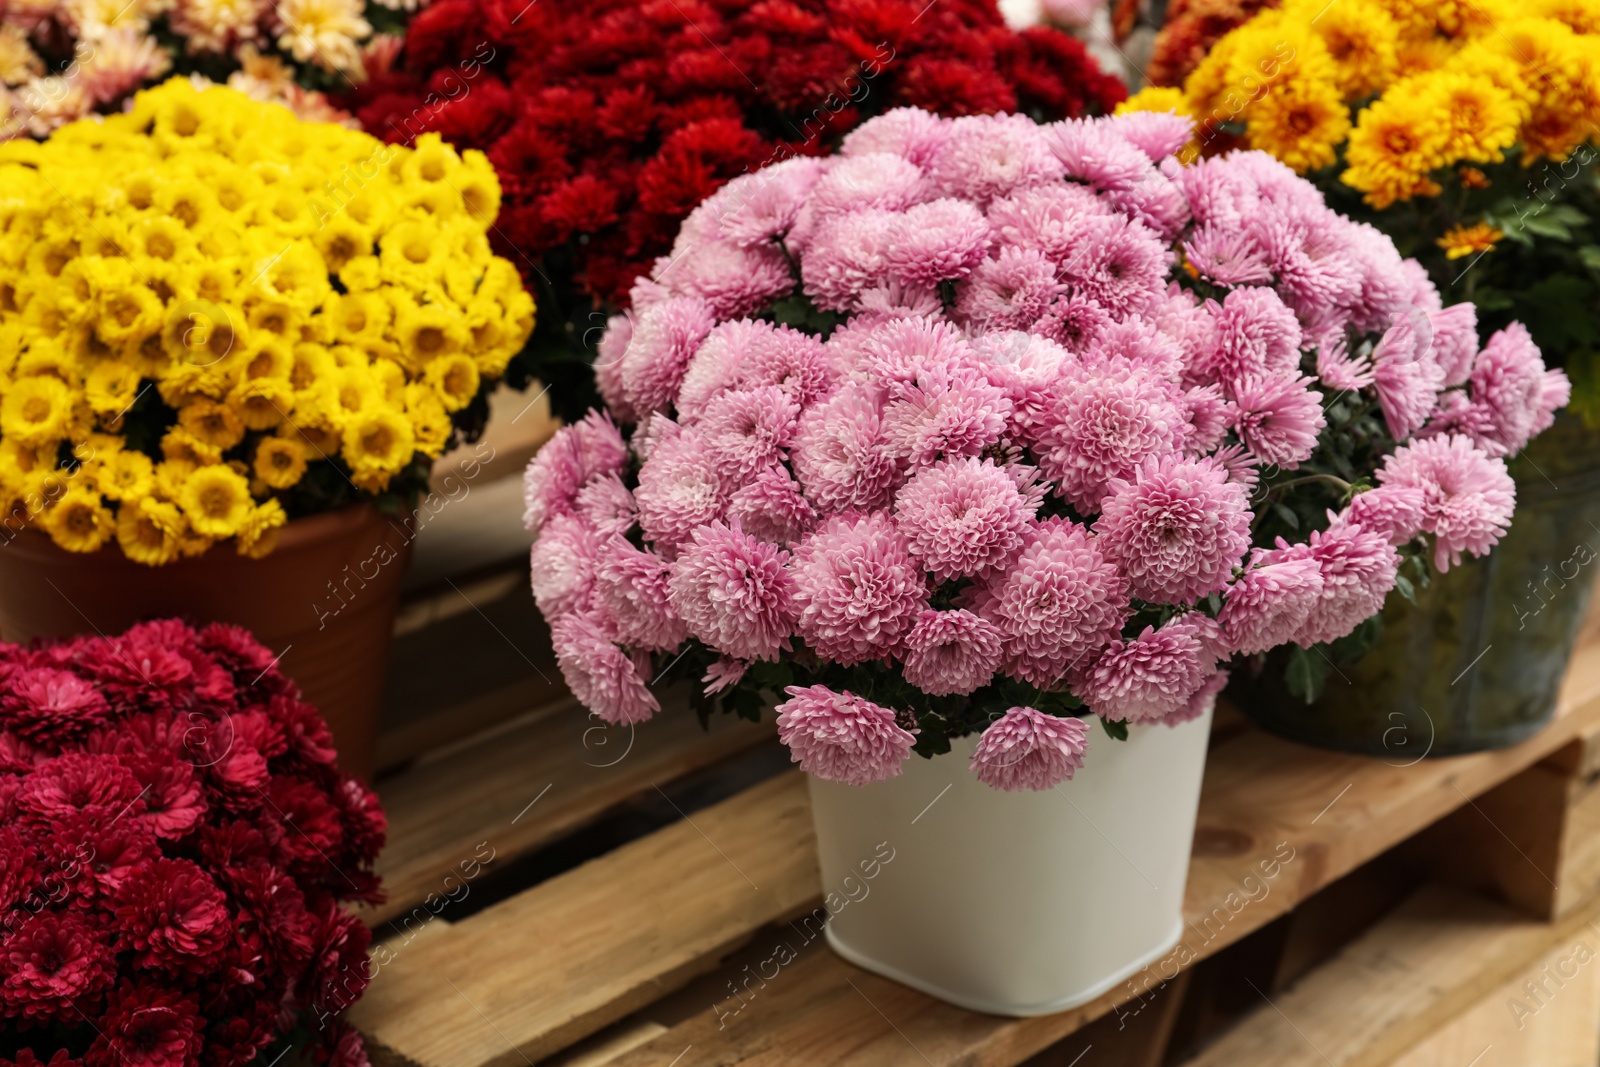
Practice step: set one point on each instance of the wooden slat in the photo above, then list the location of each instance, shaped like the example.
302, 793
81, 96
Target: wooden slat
1263, 798
569, 767
534, 973
1397, 989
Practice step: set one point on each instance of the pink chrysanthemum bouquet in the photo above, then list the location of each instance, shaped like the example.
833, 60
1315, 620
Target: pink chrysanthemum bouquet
985, 425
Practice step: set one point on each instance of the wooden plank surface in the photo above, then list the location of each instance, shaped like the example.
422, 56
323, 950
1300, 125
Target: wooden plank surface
505, 792
534, 988
1392, 994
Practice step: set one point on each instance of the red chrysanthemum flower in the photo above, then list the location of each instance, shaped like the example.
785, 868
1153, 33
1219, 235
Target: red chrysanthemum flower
145, 1025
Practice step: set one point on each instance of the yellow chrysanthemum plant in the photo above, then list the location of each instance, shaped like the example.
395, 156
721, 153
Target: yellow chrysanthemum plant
1464, 129
216, 318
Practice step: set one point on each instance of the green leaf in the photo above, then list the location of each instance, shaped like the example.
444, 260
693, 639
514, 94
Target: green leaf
1403, 586
1306, 674
1590, 255
1118, 729
1544, 224
1286, 513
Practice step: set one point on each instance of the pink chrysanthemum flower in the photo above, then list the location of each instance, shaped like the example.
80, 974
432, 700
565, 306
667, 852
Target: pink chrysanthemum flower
1010, 291
847, 257
632, 585
1210, 415
909, 132
1226, 256
1508, 383
608, 367
1278, 418
679, 489
664, 337
899, 351
1025, 367
857, 588
755, 208
962, 518
1468, 497
950, 652
566, 463
734, 593
1047, 219
1098, 154
988, 156
1407, 380
1155, 201
840, 454
1338, 369
860, 182
725, 673
1027, 749
1395, 511
1105, 425
1074, 322
1358, 569
606, 504
1204, 699
1272, 600
1256, 336
606, 679
1177, 530
748, 431
770, 506
793, 361
941, 240
1118, 263
1058, 602
946, 412
1455, 341
732, 280
1140, 342
1158, 134
1148, 678
562, 566
840, 737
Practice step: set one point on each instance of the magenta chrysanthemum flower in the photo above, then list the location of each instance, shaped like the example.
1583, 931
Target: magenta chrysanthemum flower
950, 652
1107, 423
1058, 602
1177, 529
1395, 511
1027, 749
1358, 569
606, 679
857, 588
1148, 678
1272, 600
987, 156
632, 585
679, 489
840, 454
839, 737
664, 337
734, 593
770, 506
962, 518
1009, 292
1467, 495
941, 240
1278, 418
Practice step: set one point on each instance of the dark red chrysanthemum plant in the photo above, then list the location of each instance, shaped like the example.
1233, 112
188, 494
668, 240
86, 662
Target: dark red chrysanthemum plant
175, 843
609, 120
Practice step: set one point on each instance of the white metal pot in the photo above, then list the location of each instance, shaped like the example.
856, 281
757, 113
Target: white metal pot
1015, 903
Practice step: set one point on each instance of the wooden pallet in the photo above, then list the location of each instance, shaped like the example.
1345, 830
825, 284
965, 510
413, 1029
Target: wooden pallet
644, 956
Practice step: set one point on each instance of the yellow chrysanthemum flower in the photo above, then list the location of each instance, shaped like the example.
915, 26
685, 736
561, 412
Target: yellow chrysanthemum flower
213, 423
1396, 143
128, 476
378, 441
79, 522
280, 462
146, 531
36, 411
258, 534
1300, 123
215, 500
1463, 241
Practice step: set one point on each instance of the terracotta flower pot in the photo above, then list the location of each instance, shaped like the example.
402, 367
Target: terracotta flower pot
324, 600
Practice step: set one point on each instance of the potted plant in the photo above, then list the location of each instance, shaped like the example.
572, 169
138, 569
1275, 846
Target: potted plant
230, 345
609, 121
175, 843
976, 467
1457, 136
